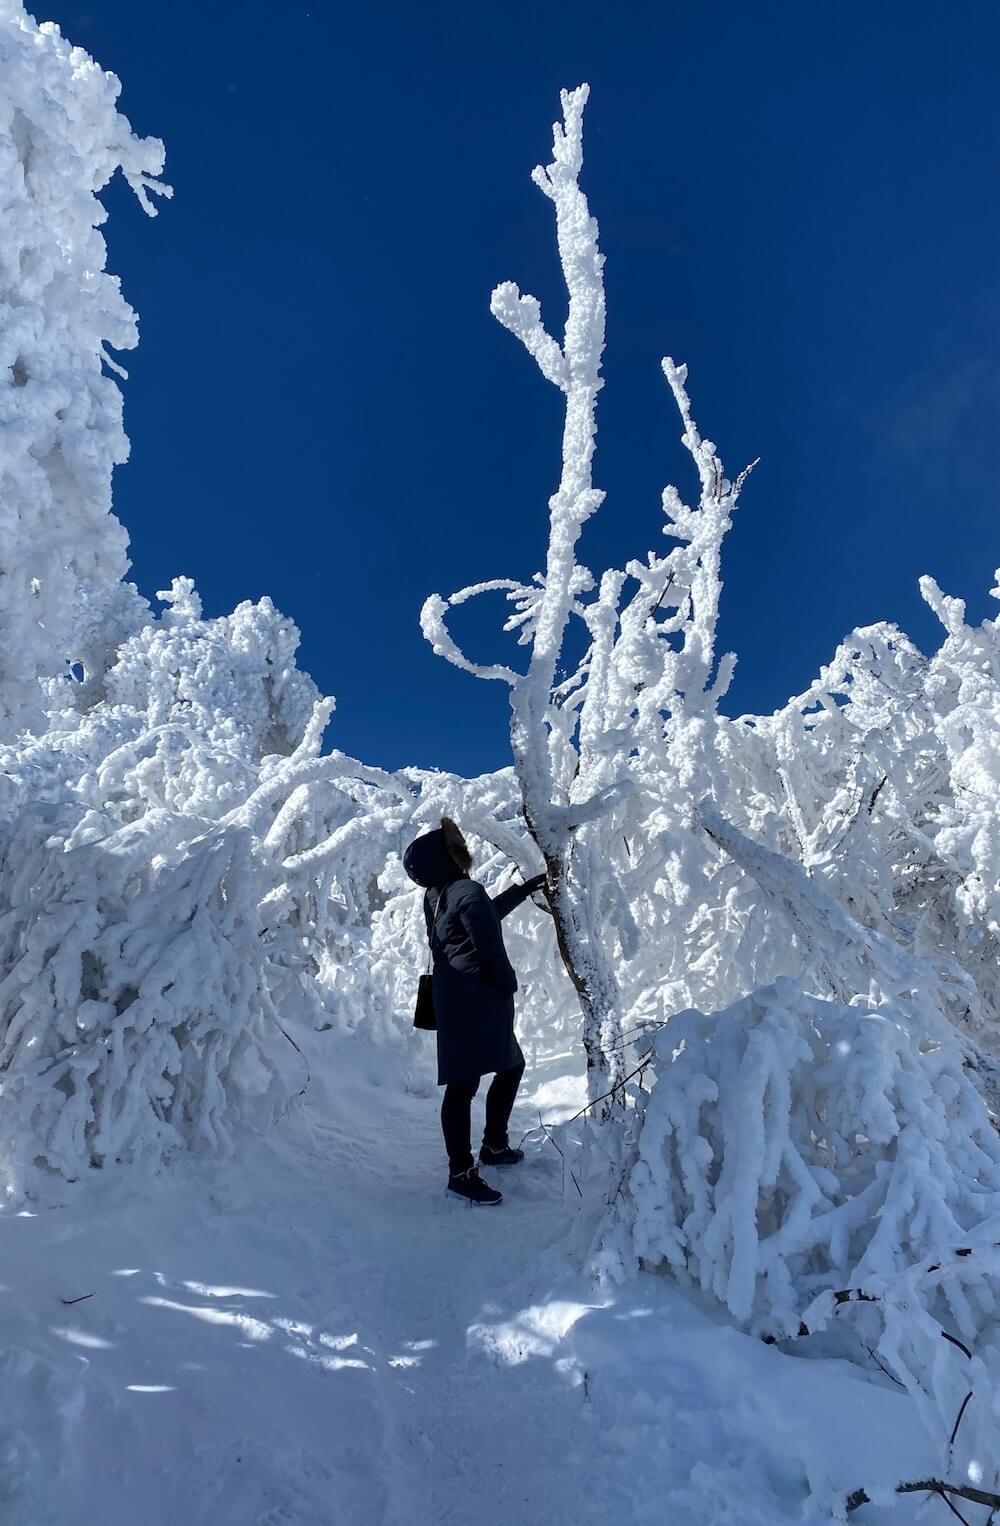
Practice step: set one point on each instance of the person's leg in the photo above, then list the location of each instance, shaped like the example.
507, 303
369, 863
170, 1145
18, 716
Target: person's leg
456, 1123
499, 1102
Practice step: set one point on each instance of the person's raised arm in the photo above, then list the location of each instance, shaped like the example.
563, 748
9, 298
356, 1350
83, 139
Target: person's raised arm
513, 896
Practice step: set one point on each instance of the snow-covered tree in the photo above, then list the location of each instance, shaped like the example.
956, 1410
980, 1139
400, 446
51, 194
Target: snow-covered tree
583, 745
61, 141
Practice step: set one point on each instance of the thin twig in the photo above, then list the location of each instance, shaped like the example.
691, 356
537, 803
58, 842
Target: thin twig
645, 1025
660, 600
617, 1088
68, 1301
955, 1510
305, 1087
883, 1368
551, 1141
744, 474
954, 1429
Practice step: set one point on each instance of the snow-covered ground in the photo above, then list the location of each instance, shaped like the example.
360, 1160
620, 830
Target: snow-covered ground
312, 1333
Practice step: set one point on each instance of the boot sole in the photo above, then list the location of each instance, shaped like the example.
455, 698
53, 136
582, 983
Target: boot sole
472, 1202
499, 1165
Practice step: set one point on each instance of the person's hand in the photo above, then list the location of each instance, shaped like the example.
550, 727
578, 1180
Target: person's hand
535, 883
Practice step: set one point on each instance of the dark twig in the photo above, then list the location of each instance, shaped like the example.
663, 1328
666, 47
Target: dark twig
875, 793
648, 1025
618, 1088
68, 1301
932, 1486
883, 1368
955, 1510
660, 600
956, 1342
954, 1429
305, 1085
551, 1141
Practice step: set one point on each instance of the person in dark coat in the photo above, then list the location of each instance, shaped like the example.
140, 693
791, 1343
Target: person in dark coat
474, 985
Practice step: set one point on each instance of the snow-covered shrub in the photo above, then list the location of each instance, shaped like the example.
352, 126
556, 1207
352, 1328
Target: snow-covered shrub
134, 1015
180, 873
61, 141
878, 780
793, 1151
792, 1145
794, 1148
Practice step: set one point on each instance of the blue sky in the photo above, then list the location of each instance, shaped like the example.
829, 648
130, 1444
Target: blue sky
799, 201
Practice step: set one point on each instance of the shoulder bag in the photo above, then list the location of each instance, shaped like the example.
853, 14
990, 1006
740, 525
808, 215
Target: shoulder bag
423, 1016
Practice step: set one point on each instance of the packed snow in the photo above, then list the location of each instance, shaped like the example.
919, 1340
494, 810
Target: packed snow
312, 1333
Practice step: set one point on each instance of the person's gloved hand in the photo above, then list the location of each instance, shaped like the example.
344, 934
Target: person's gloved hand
535, 883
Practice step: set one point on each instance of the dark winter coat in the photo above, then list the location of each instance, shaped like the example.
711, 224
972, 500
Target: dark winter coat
474, 981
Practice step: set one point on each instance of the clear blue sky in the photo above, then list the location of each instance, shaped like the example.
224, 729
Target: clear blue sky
801, 201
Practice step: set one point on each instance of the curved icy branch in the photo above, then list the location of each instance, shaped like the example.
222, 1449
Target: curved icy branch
432, 624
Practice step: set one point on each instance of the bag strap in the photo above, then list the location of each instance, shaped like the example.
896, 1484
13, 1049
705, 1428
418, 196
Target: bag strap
430, 936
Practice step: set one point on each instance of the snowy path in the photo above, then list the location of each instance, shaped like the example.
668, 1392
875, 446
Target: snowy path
315, 1335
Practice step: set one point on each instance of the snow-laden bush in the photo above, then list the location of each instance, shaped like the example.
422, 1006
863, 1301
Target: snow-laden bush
61, 141
798, 1159
795, 1149
179, 869
879, 779
792, 1145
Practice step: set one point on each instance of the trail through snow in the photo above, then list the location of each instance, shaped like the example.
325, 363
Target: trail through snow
313, 1334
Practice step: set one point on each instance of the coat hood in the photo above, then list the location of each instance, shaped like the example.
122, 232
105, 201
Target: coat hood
438, 857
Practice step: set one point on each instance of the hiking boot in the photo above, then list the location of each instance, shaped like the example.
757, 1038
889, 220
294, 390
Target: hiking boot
508, 1155
470, 1186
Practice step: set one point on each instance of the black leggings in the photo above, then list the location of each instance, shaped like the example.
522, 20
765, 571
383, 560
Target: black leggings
456, 1115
